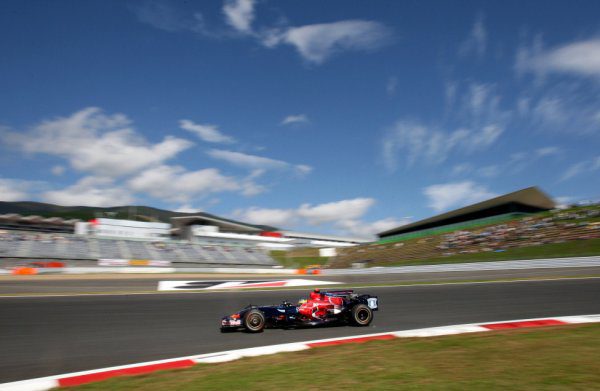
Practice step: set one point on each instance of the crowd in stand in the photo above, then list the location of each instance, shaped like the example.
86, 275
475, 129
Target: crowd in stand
529, 231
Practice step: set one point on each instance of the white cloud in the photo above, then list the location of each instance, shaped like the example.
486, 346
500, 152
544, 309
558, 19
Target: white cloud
344, 216
578, 58
254, 162
295, 119
316, 43
450, 92
363, 229
187, 208
58, 170
266, 216
14, 190
335, 211
564, 201
476, 42
453, 195
462, 169
90, 191
176, 184
391, 85
105, 145
206, 132
239, 14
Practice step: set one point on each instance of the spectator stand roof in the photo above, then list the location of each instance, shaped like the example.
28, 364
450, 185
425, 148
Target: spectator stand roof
225, 225
529, 200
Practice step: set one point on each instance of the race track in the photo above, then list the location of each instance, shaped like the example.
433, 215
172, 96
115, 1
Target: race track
52, 335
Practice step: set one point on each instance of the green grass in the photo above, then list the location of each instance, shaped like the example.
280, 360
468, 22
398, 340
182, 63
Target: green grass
551, 358
576, 248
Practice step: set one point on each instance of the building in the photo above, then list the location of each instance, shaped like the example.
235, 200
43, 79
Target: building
211, 229
126, 229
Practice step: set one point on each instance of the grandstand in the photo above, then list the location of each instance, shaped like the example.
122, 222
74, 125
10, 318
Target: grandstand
199, 239
515, 220
43, 246
494, 210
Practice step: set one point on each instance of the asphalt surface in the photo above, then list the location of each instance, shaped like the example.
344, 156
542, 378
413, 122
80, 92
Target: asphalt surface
58, 284
52, 335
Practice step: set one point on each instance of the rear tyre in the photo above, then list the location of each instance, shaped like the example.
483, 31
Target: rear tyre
361, 315
254, 321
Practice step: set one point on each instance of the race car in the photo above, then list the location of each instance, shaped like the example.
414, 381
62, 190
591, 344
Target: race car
321, 308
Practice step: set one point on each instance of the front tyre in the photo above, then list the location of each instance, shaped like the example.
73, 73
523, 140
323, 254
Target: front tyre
254, 321
361, 315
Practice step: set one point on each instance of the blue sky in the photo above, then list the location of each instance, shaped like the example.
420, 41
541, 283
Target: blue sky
344, 117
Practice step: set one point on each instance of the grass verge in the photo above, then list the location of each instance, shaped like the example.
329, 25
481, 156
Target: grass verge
296, 262
552, 358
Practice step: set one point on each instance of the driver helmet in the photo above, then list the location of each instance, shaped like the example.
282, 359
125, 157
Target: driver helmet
302, 301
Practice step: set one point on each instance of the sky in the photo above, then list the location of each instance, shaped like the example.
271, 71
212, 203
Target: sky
338, 117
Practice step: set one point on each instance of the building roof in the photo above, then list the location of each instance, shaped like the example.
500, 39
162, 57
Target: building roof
531, 197
334, 238
202, 218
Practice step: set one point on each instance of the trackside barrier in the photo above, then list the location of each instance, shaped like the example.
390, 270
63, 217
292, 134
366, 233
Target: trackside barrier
549, 263
157, 270
77, 378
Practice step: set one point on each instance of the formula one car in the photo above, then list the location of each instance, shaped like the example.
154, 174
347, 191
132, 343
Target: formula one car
322, 308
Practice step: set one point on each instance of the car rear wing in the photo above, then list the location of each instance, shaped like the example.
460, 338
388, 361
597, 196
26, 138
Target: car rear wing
339, 293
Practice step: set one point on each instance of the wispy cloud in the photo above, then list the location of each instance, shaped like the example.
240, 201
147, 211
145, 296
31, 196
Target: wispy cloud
295, 119
391, 85
164, 16
455, 194
417, 141
561, 107
587, 166
547, 151
316, 43
482, 122
254, 162
58, 170
206, 132
476, 42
